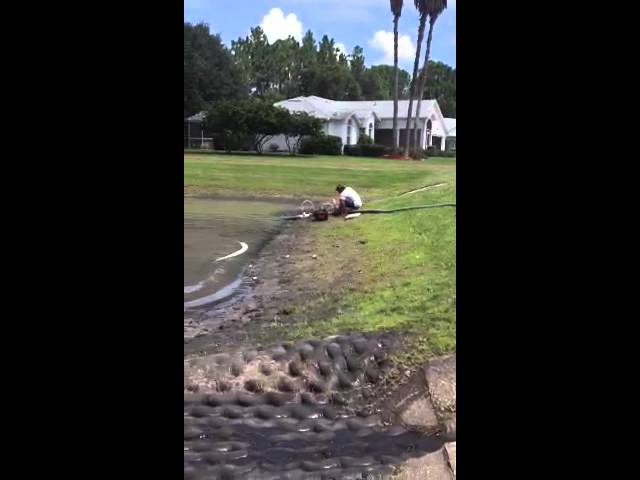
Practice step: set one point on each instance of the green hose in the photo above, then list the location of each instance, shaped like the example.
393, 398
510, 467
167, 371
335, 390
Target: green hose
404, 209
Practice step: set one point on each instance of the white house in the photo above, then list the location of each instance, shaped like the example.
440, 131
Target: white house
350, 119
450, 124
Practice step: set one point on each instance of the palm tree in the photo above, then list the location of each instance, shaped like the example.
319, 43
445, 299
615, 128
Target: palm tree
434, 8
421, 6
396, 9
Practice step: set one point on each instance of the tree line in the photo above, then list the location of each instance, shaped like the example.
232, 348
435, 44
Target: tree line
254, 67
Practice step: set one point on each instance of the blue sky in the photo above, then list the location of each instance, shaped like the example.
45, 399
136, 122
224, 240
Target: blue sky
367, 23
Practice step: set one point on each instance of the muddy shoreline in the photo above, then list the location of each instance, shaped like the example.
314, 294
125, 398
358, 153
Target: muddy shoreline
273, 290
261, 405
290, 281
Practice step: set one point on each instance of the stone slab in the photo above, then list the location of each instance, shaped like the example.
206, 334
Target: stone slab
432, 466
440, 376
451, 453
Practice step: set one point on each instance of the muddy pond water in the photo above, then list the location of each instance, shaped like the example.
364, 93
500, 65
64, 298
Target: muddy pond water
221, 238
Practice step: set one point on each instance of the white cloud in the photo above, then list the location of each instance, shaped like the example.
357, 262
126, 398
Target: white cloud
383, 41
341, 48
276, 26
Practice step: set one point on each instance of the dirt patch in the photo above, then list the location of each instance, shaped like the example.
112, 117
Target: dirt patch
294, 279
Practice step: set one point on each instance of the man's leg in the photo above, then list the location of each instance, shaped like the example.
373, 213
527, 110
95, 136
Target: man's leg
343, 207
349, 206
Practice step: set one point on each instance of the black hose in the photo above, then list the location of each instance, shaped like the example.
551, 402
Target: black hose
404, 209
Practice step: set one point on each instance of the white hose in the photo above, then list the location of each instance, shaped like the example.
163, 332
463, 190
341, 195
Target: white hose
243, 248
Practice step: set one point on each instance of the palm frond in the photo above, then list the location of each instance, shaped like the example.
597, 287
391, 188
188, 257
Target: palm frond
396, 7
434, 7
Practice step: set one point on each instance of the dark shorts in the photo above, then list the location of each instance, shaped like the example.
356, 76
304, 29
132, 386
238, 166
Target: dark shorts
348, 202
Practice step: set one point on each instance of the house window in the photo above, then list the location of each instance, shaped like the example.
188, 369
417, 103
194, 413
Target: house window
371, 130
349, 133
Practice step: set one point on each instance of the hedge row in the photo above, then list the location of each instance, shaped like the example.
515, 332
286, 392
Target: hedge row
322, 145
371, 150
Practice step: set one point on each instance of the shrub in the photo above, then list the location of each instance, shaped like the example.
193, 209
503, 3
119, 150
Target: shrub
229, 141
447, 154
273, 147
364, 139
431, 151
252, 118
321, 145
298, 126
372, 150
418, 154
353, 150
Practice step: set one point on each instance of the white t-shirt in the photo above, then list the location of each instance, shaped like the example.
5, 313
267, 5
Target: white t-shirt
349, 192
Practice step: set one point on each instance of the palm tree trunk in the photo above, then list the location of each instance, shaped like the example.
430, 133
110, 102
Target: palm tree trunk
416, 64
396, 138
423, 79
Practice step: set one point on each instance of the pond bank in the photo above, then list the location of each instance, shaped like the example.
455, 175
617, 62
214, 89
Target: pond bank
285, 280
269, 405
298, 373
298, 279
391, 272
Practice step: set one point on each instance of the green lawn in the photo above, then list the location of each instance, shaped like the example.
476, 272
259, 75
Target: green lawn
407, 274
306, 177
403, 263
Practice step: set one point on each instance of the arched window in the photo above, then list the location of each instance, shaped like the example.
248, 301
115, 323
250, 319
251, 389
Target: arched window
349, 132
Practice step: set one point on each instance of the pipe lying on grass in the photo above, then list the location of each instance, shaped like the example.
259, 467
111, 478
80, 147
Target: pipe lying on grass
404, 209
376, 211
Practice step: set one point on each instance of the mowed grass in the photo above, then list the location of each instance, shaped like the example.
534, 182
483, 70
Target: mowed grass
405, 275
306, 177
403, 264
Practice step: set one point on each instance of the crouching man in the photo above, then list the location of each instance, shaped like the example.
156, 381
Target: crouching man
348, 200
